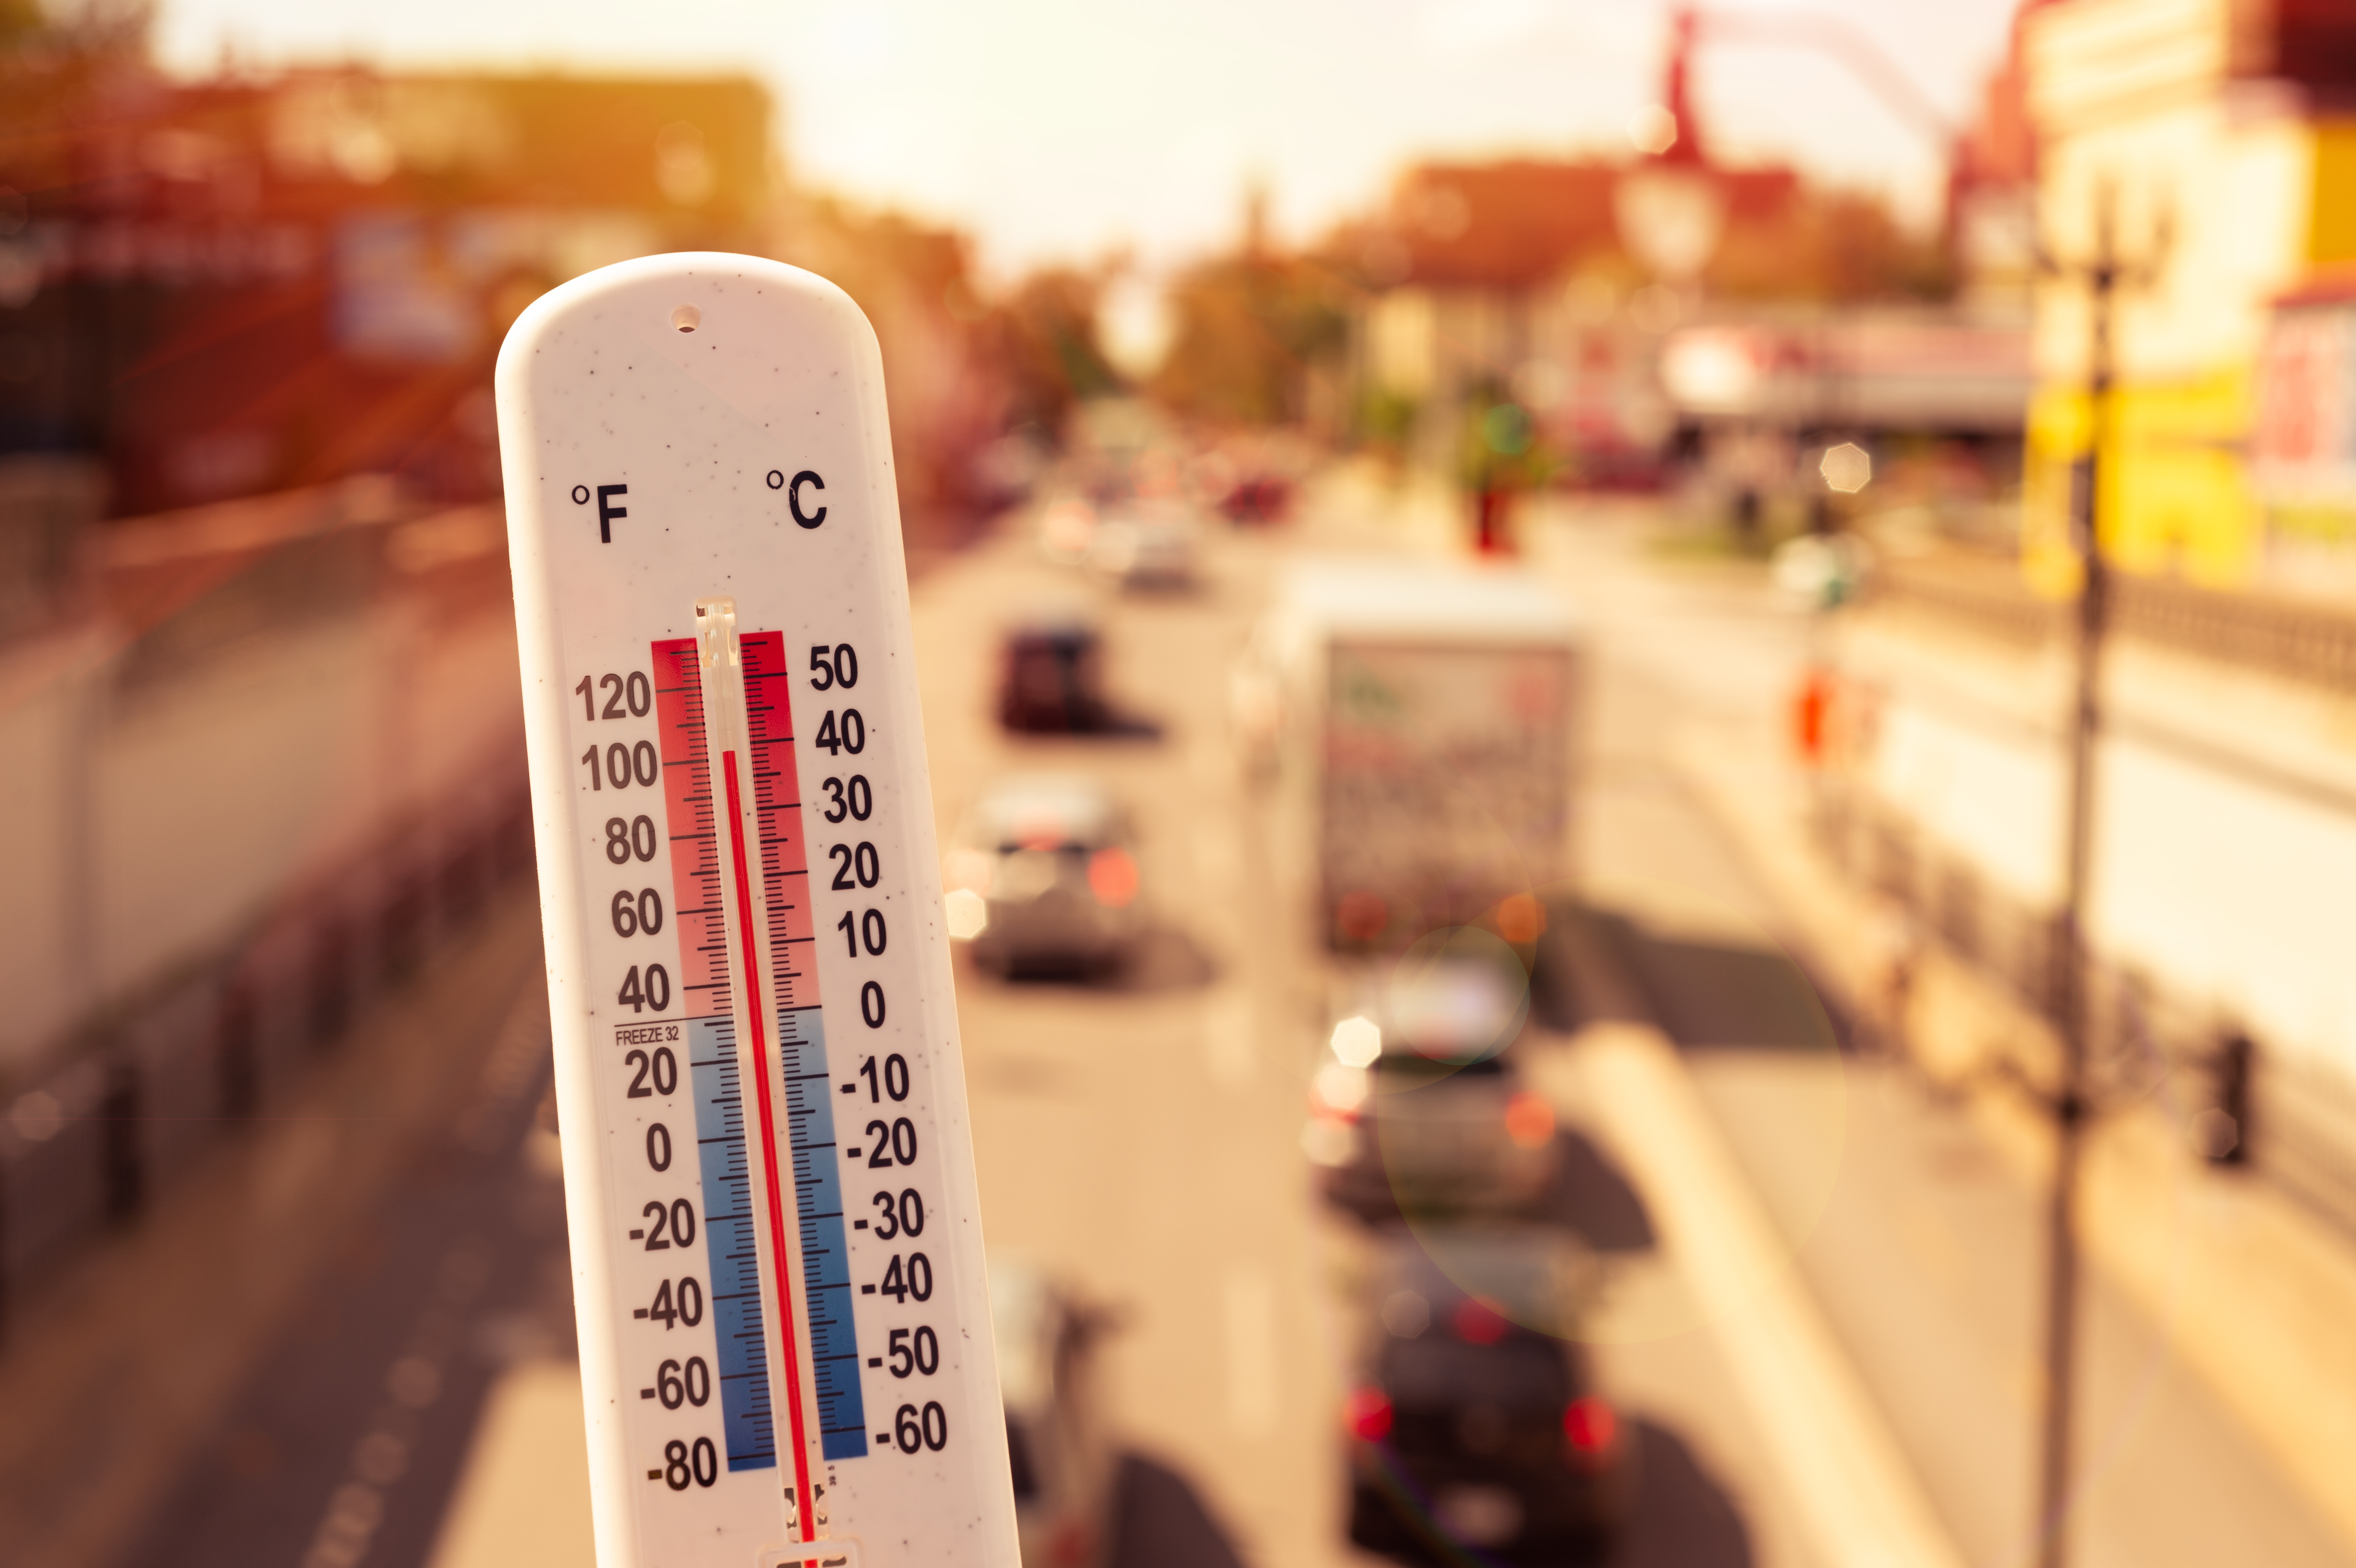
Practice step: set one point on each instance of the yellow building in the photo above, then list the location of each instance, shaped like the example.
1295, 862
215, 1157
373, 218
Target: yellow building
2216, 141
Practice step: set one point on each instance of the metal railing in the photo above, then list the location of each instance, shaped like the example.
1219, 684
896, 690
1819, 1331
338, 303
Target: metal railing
2290, 638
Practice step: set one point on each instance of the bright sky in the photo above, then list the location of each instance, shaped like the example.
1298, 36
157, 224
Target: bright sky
1057, 129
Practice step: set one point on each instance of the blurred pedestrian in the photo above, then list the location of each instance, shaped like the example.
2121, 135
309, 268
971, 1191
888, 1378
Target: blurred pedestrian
1501, 459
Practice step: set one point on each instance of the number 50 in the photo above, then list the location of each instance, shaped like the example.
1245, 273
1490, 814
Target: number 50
830, 669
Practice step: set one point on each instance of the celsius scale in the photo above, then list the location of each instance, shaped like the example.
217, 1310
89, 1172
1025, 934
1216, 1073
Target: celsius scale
777, 1272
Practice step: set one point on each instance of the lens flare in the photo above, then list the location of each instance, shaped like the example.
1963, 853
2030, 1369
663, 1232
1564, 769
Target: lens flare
967, 915
1341, 1088
1358, 1041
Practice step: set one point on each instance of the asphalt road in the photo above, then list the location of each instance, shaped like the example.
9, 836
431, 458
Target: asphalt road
1142, 1137
346, 1442
297, 1333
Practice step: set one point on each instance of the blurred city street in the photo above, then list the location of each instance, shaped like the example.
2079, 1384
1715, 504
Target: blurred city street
1641, 720
1140, 1139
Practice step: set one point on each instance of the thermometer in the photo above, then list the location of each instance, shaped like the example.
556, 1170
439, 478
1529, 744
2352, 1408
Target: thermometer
777, 1273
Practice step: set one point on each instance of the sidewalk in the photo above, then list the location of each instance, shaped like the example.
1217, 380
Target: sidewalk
2260, 1292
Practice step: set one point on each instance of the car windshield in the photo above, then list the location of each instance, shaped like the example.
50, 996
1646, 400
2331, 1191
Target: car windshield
1045, 814
1531, 1275
1523, 1372
1408, 1066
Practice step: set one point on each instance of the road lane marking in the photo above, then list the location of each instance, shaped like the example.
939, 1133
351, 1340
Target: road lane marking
1251, 1303
523, 1500
1229, 1048
1849, 1482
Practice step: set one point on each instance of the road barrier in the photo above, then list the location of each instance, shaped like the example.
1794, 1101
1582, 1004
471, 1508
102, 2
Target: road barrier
201, 1056
267, 755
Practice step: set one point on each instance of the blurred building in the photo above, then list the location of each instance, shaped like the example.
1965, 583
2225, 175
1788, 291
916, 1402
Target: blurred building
2207, 149
1513, 278
228, 287
2214, 141
1670, 301
1992, 191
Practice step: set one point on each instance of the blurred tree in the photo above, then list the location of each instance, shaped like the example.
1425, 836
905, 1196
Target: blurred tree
1044, 345
1248, 329
915, 283
1830, 246
960, 371
115, 29
19, 20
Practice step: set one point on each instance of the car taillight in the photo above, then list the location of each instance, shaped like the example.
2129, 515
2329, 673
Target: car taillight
1339, 1090
1529, 1120
1112, 877
1591, 1426
1479, 1321
1368, 1413
1071, 1545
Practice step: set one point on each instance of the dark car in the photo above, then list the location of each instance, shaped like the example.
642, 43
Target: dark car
1051, 677
1473, 1422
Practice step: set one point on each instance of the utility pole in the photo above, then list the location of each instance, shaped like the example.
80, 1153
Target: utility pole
2103, 275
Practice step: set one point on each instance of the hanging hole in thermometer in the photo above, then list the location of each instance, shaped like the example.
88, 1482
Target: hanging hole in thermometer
778, 1282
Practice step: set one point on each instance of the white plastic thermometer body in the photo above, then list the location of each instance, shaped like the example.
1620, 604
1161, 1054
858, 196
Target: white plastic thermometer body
777, 1271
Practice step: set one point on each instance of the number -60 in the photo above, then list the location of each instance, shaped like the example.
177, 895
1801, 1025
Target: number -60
929, 1428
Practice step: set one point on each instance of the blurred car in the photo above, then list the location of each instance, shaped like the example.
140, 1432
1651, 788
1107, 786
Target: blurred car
1066, 525
1043, 879
1051, 675
1473, 1421
1140, 548
1057, 1446
1419, 1106
1257, 497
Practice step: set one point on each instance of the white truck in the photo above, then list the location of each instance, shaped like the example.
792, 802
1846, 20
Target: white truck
1421, 718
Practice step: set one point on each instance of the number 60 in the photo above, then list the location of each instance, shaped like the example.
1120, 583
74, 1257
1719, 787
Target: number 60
637, 912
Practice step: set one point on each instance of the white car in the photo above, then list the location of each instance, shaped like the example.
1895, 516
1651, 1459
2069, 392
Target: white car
1043, 880
1146, 548
1057, 1443
1419, 1106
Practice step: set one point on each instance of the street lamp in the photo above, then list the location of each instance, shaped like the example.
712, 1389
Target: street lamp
1671, 216
2103, 274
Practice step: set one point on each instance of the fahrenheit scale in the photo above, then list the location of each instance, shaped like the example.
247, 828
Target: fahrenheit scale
777, 1271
